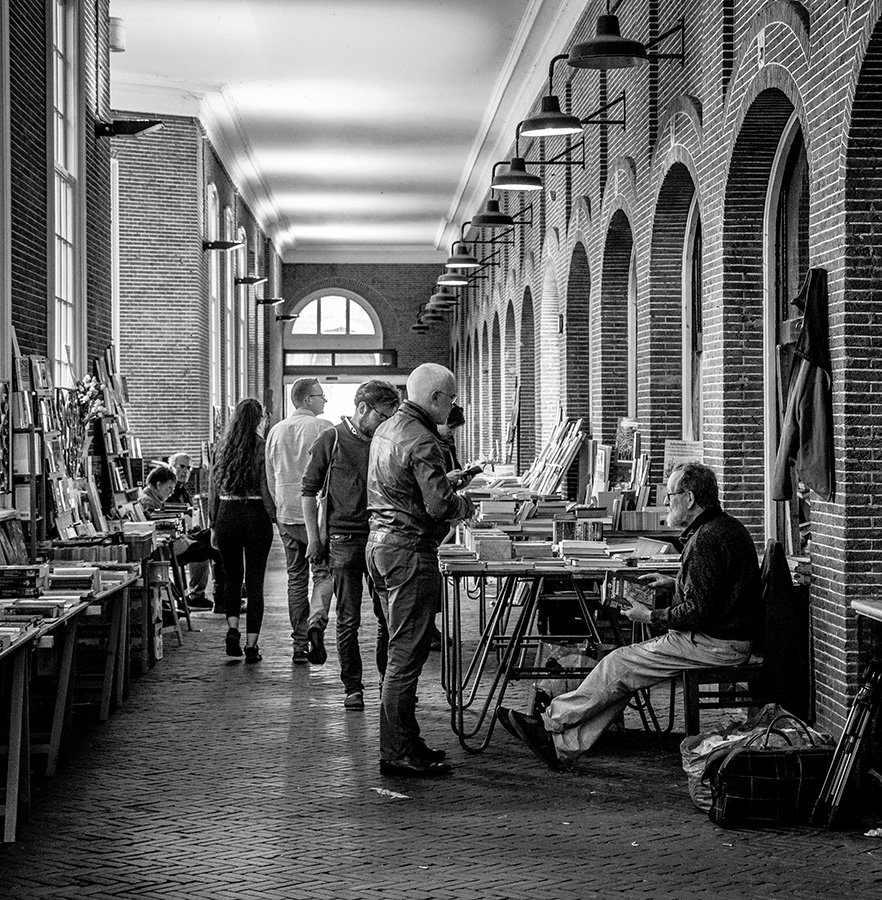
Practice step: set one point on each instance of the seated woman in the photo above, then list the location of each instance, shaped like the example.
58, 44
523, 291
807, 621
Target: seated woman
154, 495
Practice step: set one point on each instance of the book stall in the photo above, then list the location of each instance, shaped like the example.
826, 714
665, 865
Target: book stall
559, 572
78, 613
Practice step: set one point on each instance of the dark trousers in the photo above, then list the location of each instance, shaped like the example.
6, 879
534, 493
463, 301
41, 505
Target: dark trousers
346, 558
202, 551
408, 583
244, 534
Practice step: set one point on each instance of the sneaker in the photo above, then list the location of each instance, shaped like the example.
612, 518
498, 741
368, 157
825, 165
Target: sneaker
316, 654
198, 602
233, 646
355, 700
298, 657
252, 654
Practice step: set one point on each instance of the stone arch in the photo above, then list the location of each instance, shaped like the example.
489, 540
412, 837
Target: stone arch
734, 383
548, 353
497, 434
660, 362
511, 379
577, 337
610, 401
527, 368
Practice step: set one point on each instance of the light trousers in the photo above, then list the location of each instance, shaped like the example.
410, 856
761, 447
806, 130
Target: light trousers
578, 718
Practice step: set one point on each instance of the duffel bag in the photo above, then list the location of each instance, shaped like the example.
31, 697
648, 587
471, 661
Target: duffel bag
761, 785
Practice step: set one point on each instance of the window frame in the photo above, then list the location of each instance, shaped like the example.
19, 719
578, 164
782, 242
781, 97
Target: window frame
325, 342
242, 315
692, 336
212, 230
774, 523
66, 315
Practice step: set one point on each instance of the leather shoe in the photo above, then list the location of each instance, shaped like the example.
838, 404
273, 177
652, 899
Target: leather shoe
531, 731
414, 767
316, 654
422, 750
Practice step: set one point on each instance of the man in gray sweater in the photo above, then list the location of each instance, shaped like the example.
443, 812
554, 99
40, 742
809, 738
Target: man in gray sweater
340, 456
711, 621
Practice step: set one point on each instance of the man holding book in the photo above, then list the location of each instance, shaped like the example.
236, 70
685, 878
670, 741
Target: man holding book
412, 503
710, 622
338, 464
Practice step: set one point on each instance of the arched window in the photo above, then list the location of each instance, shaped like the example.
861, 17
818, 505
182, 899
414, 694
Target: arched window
336, 328
334, 314
693, 342
229, 292
212, 233
242, 306
787, 264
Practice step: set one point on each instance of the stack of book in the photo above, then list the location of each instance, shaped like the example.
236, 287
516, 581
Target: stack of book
23, 581
75, 580
623, 590
12, 628
47, 606
498, 511
490, 544
532, 550
583, 549
650, 518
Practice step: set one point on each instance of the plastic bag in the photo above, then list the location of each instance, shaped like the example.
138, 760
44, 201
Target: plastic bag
696, 749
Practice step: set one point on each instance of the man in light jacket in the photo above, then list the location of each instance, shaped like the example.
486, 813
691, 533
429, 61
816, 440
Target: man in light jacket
287, 454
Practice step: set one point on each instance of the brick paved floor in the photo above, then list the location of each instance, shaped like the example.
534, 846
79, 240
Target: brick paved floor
218, 780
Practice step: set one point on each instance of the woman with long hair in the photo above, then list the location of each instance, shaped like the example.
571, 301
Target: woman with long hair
241, 514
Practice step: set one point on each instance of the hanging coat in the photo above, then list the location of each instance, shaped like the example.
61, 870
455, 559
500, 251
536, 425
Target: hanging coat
807, 433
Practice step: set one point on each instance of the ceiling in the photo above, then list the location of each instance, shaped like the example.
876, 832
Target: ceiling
355, 129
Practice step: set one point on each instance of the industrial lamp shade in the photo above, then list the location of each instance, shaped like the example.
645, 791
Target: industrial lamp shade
460, 258
492, 217
432, 317
550, 121
419, 328
517, 178
269, 301
608, 50
222, 245
287, 317
128, 127
442, 297
252, 279
453, 279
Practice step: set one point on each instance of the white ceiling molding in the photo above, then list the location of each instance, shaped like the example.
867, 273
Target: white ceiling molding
544, 32
213, 105
365, 254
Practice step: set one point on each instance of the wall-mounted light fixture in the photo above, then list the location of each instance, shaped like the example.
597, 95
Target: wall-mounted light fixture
128, 127
460, 258
609, 50
287, 317
222, 245
491, 216
419, 328
252, 279
453, 279
550, 121
517, 178
442, 299
269, 301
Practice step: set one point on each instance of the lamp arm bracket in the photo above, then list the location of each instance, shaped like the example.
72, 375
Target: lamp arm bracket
594, 118
558, 158
679, 27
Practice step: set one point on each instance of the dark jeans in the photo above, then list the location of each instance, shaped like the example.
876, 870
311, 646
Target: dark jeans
201, 551
346, 558
408, 583
244, 534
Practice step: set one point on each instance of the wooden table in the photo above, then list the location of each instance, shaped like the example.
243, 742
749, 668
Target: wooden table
16, 659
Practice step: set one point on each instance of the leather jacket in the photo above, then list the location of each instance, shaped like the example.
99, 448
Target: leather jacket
409, 497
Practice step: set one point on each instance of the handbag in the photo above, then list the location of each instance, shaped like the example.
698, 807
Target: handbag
756, 784
323, 498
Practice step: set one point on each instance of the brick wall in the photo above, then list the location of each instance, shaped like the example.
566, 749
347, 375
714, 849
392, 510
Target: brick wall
711, 129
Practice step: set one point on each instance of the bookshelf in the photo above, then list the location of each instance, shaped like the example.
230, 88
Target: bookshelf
27, 454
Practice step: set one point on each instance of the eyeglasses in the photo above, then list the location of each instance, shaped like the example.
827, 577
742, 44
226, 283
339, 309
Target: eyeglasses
182, 466
673, 494
452, 396
320, 396
381, 415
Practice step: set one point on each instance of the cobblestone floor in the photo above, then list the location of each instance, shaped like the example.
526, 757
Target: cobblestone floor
217, 780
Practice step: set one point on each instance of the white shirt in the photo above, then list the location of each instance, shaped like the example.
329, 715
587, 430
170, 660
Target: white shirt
287, 453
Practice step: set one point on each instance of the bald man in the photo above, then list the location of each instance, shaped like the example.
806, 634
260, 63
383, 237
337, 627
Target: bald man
411, 502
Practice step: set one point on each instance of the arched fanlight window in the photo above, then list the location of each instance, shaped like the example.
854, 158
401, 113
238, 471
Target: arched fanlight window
334, 314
